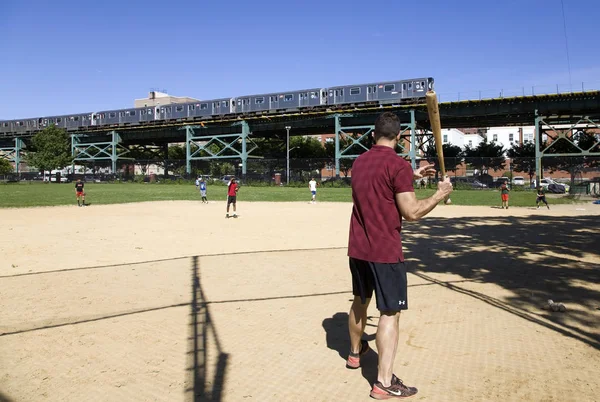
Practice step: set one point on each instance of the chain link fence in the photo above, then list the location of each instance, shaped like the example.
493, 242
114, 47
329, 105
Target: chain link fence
579, 174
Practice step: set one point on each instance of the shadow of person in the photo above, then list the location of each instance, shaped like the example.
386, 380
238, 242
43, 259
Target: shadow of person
337, 338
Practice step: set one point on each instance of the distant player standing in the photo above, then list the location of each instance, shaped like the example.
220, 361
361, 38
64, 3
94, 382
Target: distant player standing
312, 185
202, 185
232, 189
197, 183
79, 194
541, 197
504, 195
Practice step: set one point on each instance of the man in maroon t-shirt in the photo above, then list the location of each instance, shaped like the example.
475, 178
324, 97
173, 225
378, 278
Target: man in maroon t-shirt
232, 189
382, 192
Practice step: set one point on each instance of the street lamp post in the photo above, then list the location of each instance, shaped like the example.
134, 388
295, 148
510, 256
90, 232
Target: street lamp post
287, 174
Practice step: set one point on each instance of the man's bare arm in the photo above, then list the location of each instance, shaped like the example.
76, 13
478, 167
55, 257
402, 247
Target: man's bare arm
413, 209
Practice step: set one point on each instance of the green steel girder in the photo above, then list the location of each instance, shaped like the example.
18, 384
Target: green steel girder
225, 142
547, 125
98, 150
342, 131
13, 153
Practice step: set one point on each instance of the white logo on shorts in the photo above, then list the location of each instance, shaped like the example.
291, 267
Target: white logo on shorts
402, 302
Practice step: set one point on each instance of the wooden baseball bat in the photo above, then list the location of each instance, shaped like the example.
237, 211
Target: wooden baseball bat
436, 128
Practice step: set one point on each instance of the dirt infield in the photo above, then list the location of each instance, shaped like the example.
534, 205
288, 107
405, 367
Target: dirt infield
170, 301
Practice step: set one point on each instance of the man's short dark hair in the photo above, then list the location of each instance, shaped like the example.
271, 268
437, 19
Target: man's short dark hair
387, 126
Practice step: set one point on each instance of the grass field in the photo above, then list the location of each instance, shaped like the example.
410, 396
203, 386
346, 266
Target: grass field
51, 194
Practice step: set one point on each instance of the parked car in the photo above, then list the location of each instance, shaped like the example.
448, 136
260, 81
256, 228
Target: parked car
467, 181
546, 182
518, 181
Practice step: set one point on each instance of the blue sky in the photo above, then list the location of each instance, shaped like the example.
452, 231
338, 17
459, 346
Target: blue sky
81, 56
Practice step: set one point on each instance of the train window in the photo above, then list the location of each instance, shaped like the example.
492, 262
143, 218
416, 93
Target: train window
132, 112
191, 107
288, 97
404, 86
225, 103
259, 100
389, 88
355, 91
112, 115
274, 98
422, 84
341, 92
58, 119
142, 112
239, 102
314, 95
410, 85
20, 123
179, 108
149, 111
204, 106
169, 109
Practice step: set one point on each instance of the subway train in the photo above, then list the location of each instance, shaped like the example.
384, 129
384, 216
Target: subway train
389, 92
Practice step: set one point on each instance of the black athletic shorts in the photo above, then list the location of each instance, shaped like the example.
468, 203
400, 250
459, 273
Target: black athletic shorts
231, 199
388, 281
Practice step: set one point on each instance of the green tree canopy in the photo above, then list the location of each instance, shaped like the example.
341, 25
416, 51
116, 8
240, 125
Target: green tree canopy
50, 149
452, 156
523, 158
487, 155
5, 166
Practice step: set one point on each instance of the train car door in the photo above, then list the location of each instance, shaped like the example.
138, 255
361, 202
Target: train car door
304, 99
371, 92
274, 102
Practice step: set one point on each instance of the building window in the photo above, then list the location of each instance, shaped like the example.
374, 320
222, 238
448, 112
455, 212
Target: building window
511, 137
445, 138
355, 91
495, 137
470, 143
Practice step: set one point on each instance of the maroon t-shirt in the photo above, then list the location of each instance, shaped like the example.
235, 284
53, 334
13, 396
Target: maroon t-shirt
377, 175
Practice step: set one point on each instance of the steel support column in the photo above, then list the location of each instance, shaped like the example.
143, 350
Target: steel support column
413, 139
94, 150
245, 134
538, 148
337, 145
224, 144
12, 153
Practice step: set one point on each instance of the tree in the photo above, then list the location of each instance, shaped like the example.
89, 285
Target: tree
452, 156
523, 158
487, 155
50, 149
307, 154
5, 166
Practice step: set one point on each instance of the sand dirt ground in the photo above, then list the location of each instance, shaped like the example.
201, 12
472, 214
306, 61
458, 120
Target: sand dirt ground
170, 301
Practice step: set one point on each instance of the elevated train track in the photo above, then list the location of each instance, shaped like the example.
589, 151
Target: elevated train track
539, 110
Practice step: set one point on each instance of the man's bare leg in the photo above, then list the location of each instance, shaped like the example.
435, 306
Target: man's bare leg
357, 320
387, 343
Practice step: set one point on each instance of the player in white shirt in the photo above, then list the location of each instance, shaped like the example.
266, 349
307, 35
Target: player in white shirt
312, 185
